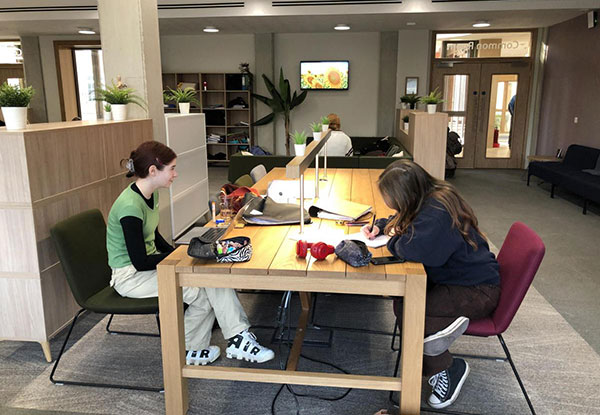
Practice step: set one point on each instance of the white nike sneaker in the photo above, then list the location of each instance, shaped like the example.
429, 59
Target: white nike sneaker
245, 346
202, 357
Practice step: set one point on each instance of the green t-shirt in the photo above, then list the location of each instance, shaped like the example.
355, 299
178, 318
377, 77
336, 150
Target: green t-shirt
129, 203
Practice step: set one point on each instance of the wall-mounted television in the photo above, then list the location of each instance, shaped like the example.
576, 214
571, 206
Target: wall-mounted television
324, 75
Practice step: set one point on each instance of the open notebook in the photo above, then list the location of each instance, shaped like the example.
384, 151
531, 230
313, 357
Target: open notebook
338, 210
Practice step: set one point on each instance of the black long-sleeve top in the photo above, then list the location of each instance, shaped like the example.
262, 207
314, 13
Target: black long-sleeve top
446, 256
134, 240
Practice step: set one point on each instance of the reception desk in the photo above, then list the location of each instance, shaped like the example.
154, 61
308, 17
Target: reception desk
50, 172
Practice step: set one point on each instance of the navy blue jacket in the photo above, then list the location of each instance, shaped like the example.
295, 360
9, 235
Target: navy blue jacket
447, 257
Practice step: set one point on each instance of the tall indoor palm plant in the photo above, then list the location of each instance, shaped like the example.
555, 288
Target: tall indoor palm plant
282, 102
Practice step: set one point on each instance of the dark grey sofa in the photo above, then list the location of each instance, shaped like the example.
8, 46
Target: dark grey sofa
567, 174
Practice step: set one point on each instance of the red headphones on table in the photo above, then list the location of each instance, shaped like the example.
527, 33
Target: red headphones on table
318, 250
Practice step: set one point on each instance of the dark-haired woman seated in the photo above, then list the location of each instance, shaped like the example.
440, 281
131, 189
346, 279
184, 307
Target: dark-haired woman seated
434, 225
135, 247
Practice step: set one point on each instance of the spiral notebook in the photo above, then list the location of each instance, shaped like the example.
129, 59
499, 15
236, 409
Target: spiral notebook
338, 210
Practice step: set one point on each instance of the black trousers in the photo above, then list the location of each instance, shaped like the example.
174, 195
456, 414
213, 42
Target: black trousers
444, 303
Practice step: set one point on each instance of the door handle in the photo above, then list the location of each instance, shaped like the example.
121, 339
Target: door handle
474, 92
482, 92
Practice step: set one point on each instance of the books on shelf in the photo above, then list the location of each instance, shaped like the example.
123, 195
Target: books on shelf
338, 209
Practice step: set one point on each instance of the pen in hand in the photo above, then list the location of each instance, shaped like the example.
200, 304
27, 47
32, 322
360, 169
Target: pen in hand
373, 225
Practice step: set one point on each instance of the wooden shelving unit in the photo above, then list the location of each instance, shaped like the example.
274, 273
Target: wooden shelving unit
233, 125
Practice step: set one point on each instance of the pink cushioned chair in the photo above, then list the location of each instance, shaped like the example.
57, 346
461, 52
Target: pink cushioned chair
519, 259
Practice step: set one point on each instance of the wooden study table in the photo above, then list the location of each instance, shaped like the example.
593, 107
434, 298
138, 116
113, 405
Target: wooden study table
274, 266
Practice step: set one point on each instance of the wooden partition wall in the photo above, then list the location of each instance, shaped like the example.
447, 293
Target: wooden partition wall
50, 172
425, 139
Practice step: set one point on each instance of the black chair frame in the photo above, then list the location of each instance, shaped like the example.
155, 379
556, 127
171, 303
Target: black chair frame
102, 385
508, 359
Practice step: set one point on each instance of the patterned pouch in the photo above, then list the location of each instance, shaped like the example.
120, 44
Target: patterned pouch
238, 249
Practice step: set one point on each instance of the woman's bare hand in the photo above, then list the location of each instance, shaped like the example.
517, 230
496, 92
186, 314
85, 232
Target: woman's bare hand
370, 233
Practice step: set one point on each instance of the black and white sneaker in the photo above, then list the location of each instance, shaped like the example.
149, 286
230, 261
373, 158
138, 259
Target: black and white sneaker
202, 357
245, 346
437, 343
447, 384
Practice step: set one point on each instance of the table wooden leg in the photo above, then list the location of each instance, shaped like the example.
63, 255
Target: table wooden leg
170, 302
292, 363
413, 329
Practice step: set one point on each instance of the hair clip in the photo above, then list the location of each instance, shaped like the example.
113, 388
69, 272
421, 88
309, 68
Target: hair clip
129, 166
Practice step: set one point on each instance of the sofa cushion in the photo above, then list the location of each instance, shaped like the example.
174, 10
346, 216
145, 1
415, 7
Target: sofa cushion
581, 157
550, 171
583, 184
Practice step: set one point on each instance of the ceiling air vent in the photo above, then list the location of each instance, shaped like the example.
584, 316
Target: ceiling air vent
288, 3
38, 9
204, 5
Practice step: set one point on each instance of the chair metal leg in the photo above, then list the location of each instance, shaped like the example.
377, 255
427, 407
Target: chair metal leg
130, 333
98, 385
394, 334
508, 358
528, 177
514, 368
585, 206
552, 190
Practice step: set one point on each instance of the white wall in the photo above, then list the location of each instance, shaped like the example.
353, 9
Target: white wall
206, 53
357, 107
49, 71
413, 60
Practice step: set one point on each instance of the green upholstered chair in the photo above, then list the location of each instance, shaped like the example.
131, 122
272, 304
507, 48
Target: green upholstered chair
80, 243
244, 180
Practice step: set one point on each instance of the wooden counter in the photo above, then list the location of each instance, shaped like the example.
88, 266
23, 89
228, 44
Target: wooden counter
50, 172
425, 139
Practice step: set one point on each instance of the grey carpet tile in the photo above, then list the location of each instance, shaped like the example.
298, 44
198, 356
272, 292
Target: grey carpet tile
557, 366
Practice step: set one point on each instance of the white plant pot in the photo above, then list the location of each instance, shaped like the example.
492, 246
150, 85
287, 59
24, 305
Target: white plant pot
317, 135
184, 107
405, 126
107, 116
119, 112
325, 127
431, 108
405, 106
299, 149
15, 117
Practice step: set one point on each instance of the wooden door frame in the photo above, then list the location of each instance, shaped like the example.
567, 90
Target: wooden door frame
67, 44
517, 152
525, 60
470, 136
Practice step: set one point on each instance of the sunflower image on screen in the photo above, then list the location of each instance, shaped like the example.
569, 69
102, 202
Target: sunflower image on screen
324, 75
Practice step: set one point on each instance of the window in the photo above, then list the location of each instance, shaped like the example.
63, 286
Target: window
483, 45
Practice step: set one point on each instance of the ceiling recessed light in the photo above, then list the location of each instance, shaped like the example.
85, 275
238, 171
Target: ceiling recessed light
211, 29
411, 23
85, 31
481, 24
342, 26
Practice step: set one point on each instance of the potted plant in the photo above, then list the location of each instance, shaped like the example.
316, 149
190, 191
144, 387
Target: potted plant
118, 96
14, 101
183, 98
316, 129
431, 100
410, 100
107, 112
405, 120
299, 142
325, 123
281, 102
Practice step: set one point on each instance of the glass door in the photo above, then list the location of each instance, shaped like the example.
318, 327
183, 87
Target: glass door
502, 117
459, 85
